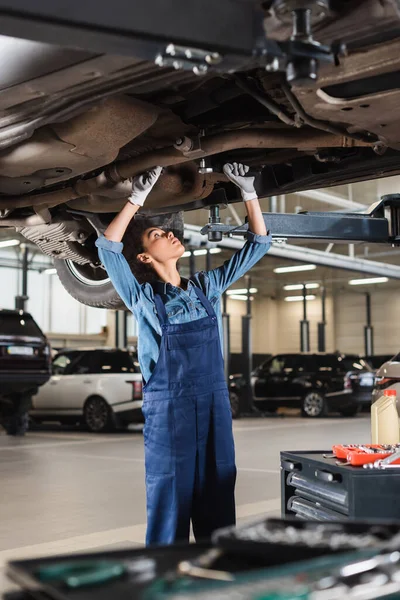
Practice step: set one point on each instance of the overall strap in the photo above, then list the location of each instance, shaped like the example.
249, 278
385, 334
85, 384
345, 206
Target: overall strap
205, 301
161, 312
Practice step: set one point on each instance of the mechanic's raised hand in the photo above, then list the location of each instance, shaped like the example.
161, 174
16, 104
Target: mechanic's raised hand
142, 185
237, 173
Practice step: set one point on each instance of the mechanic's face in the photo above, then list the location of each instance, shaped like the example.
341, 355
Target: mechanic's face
160, 246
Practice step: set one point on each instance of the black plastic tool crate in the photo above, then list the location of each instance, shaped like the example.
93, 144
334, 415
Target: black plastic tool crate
316, 488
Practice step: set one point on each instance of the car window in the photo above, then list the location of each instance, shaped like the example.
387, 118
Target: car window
306, 364
326, 363
85, 364
283, 364
116, 362
61, 363
16, 324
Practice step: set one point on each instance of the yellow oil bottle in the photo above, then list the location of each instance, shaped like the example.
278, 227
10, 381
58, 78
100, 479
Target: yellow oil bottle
385, 420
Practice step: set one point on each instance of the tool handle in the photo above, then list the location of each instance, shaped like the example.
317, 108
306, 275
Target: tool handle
95, 577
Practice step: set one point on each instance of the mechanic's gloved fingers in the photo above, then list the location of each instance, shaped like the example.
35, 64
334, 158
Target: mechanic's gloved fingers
246, 168
143, 184
242, 170
227, 169
154, 174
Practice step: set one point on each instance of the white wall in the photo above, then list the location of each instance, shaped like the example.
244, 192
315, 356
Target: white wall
350, 317
276, 324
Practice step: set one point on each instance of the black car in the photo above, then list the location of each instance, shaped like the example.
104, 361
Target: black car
25, 365
315, 383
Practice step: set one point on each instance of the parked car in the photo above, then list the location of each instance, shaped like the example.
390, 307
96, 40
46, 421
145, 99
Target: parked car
362, 382
315, 383
101, 388
387, 377
25, 365
78, 123
236, 386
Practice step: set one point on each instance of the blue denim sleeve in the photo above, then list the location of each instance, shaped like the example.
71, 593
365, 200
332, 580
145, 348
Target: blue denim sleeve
245, 258
118, 270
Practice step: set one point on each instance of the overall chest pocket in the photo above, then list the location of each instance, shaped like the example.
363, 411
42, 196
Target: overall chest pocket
192, 339
192, 354
174, 313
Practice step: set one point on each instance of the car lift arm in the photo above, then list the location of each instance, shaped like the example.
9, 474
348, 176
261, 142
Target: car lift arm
379, 225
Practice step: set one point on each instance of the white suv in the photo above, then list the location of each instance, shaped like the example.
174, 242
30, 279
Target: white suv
100, 387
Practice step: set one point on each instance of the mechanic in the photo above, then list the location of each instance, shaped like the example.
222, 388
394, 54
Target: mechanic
189, 449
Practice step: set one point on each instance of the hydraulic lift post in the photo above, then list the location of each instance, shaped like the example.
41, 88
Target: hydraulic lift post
246, 399
121, 329
322, 324
368, 329
20, 301
304, 325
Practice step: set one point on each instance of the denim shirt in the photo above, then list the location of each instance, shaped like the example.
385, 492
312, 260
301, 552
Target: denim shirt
181, 305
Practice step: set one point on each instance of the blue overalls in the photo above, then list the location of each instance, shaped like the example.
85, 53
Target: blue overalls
189, 448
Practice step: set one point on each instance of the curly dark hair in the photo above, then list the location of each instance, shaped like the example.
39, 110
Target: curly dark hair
133, 245
133, 241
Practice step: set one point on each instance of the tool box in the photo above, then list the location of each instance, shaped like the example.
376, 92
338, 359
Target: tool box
268, 559
318, 488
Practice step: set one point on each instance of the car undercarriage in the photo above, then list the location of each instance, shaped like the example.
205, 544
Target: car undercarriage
304, 91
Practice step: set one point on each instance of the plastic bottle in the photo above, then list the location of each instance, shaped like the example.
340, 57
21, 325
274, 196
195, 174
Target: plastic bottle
385, 420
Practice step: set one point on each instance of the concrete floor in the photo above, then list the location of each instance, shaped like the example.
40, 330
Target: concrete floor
65, 491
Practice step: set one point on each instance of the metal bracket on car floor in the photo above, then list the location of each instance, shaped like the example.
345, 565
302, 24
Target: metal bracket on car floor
380, 224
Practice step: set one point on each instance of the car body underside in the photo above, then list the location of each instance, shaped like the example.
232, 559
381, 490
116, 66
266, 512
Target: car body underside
76, 125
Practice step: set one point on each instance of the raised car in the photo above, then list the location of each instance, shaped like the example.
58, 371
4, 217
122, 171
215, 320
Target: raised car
233, 81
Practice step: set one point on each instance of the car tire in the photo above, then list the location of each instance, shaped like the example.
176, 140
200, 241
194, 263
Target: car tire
351, 411
234, 400
88, 285
314, 406
17, 425
97, 415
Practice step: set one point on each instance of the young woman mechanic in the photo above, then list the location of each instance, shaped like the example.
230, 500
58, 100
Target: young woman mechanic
189, 449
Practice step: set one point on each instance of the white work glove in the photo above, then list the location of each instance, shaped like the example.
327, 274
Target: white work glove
237, 173
142, 185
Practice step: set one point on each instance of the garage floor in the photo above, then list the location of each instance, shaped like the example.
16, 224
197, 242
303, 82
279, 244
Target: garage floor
71, 491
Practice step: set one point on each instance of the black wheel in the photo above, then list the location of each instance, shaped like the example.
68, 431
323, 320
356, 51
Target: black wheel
235, 404
16, 424
88, 285
314, 406
98, 416
351, 411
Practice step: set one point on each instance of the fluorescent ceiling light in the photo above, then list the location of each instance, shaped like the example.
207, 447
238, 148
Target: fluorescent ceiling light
238, 297
368, 280
8, 243
201, 252
50, 271
295, 268
242, 291
298, 298
299, 286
